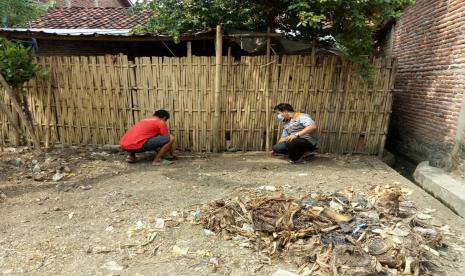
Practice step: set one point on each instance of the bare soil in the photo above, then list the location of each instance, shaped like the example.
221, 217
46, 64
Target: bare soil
79, 224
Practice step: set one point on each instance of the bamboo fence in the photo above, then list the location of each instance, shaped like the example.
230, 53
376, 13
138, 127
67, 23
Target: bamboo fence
93, 100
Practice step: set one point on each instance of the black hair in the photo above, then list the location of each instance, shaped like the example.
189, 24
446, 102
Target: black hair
162, 114
284, 107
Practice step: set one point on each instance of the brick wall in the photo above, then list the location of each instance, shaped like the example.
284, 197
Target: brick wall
429, 42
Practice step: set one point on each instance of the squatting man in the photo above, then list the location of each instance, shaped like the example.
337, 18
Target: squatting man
300, 133
299, 136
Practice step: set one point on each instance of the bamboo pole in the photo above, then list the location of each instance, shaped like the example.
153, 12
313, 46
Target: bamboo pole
16, 105
48, 115
267, 91
189, 49
216, 119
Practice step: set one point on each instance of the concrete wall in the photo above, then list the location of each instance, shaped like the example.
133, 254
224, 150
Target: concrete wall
429, 43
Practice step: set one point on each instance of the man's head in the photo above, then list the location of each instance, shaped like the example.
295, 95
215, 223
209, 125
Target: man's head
162, 114
284, 111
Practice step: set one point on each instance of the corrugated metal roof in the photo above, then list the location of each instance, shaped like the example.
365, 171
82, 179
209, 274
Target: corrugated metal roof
76, 32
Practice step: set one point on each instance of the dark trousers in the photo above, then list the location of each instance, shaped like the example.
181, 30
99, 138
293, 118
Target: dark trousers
152, 144
294, 149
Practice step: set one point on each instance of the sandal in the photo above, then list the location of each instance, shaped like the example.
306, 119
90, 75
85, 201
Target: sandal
131, 158
162, 162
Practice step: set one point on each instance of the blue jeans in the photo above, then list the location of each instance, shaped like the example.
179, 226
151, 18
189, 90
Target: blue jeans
152, 144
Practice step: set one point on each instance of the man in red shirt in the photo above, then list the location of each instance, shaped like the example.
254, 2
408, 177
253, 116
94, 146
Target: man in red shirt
147, 135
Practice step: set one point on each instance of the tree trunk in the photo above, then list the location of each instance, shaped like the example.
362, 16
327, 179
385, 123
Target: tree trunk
18, 138
18, 108
10, 118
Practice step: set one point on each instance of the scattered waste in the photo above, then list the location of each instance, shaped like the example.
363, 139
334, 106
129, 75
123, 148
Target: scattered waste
282, 272
425, 231
268, 188
58, 176
214, 261
196, 214
428, 211
208, 233
178, 251
71, 215
88, 187
330, 233
358, 228
140, 225
160, 223
336, 206
400, 232
112, 266
100, 250
150, 239
423, 216
110, 229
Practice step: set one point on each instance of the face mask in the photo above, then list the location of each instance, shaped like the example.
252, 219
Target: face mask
280, 117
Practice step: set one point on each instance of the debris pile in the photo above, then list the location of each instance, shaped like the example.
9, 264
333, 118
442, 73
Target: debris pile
340, 233
59, 164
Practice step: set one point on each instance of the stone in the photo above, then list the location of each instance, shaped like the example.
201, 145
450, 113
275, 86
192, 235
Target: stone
39, 177
36, 168
18, 162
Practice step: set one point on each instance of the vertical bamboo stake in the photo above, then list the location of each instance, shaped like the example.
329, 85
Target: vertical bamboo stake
267, 90
216, 118
189, 49
48, 115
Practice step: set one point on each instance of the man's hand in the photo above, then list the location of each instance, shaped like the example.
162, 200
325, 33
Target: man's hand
291, 138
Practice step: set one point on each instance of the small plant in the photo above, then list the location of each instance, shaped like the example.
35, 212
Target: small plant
17, 63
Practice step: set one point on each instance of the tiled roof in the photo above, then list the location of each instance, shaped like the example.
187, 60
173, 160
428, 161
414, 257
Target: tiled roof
90, 18
91, 3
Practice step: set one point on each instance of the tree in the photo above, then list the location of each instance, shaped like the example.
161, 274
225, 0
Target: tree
17, 12
352, 23
17, 64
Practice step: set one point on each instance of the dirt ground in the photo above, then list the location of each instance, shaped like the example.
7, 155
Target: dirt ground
79, 225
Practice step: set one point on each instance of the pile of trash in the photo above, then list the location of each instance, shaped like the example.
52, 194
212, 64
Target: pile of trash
341, 233
55, 165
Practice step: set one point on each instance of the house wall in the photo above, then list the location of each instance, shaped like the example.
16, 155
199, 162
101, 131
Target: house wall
131, 49
429, 43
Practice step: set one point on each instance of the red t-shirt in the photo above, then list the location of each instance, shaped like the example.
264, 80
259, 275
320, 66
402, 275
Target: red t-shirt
137, 135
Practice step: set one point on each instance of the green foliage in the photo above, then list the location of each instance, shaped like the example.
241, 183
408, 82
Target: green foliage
351, 22
18, 12
176, 17
17, 64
